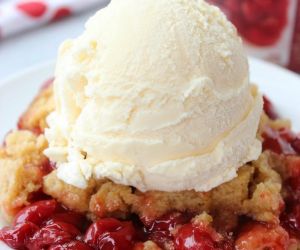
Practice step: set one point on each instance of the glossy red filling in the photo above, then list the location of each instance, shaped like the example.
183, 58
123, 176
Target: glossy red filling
45, 224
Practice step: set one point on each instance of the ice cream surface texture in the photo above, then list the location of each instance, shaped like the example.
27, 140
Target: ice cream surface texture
154, 94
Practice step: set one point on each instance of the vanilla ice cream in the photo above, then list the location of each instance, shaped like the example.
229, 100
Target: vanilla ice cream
154, 94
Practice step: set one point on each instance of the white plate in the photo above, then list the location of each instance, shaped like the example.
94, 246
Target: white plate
280, 85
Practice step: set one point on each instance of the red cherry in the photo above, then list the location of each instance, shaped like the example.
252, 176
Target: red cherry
293, 166
33, 9
18, 236
296, 145
73, 245
258, 236
56, 233
292, 186
36, 212
287, 134
20, 125
160, 229
277, 141
47, 167
192, 239
292, 183
161, 238
269, 109
76, 219
168, 222
38, 196
291, 221
110, 234
195, 237
61, 13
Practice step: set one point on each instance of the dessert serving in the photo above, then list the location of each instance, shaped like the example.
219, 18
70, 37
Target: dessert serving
150, 136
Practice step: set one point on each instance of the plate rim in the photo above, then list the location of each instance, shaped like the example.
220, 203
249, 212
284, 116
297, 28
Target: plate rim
27, 71
273, 66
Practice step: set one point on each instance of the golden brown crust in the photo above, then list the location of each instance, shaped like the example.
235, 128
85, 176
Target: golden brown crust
148, 245
255, 192
21, 169
74, 198
34, 119
265, 203
112, 200
228, 199
153, 204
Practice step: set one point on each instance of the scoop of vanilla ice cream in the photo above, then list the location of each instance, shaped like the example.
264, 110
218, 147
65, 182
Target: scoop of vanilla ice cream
154, 94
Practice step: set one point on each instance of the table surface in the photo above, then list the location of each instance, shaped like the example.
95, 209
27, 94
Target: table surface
38, 45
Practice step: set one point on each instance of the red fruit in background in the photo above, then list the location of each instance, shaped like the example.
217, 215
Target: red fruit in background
110, 234
18, 236
56, 233
260, 22
260, 237
61, 13
73, 245
36, 212
33, 9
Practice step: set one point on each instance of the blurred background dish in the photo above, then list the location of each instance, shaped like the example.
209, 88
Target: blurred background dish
270, 29
29, 33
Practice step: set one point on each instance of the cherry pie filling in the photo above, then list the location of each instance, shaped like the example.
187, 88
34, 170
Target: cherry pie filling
46, 224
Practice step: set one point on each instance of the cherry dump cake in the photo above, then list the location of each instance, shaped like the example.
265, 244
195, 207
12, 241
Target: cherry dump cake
151, 137
259, 209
